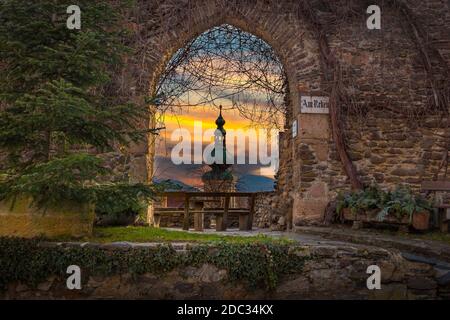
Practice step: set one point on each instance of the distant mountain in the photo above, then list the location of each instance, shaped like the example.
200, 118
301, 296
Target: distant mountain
253, 183
177, 185
245, 183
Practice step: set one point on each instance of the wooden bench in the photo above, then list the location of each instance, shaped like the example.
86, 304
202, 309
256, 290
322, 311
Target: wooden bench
198, 199
219, 213
443, 208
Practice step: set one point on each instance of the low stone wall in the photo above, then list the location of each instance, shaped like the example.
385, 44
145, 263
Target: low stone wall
69, 219
329, 272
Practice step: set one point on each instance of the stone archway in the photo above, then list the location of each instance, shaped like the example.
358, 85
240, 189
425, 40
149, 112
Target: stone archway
298, 52
314, 172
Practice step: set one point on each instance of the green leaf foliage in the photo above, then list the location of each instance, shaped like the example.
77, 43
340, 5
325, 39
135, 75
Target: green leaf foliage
50, 182
116, 198
399, 202
255, 264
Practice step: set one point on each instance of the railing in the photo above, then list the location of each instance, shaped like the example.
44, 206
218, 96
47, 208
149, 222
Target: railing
194, 203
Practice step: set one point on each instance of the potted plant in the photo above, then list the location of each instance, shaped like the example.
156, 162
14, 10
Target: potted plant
400, 206
407, 207
361, 204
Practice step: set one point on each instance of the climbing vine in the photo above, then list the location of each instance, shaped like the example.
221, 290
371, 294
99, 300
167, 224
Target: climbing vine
326, 17
257, 264
341, 104
440, 87
331, 75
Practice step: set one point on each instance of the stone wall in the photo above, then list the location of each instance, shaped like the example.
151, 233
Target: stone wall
270, 211
391, 132
388, 142
330, 272
383, 72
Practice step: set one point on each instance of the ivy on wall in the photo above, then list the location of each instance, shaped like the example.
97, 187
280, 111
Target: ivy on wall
256, 264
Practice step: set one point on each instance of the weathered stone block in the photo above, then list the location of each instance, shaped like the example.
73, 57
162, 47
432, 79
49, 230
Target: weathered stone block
405, 170
390, 292
66, 219
376, 159
308, 209
421, 283
314, 126
321, 151
318, 190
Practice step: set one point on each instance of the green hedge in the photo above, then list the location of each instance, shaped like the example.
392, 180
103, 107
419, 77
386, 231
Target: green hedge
256, 264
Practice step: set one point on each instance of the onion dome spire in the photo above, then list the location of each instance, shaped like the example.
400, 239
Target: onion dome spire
220, 122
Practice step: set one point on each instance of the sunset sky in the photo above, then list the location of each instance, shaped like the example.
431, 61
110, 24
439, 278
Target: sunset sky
230, 60
190, 174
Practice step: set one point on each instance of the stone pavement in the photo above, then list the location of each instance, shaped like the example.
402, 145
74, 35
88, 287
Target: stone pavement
339, 236
303, 238
432, 250
434, 253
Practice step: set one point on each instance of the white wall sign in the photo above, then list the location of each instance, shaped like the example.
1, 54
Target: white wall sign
294, 129
313, 104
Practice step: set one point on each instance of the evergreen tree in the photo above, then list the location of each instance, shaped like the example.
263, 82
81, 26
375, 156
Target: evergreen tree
56, 97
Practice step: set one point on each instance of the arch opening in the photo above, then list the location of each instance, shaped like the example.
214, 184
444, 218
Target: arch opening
224, 67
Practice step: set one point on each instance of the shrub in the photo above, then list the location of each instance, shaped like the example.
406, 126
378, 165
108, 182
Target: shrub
256, 264
403, 202
121, 203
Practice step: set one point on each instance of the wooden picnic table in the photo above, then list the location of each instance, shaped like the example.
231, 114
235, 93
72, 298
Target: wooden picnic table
199, 199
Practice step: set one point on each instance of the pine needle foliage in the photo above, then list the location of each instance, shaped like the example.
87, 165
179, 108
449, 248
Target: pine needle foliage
57, 97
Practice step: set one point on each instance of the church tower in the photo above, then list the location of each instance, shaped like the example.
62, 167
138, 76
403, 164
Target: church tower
219, 178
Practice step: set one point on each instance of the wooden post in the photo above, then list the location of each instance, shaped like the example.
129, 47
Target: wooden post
225, 212
186, 212
156, 220
443, 220
151, 219
243, 221
251, 213
221, 220
198, 216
